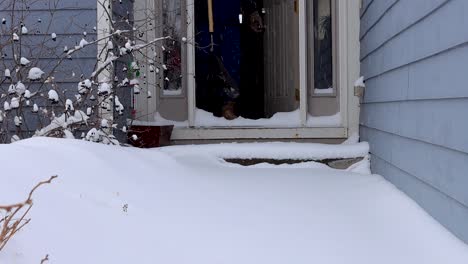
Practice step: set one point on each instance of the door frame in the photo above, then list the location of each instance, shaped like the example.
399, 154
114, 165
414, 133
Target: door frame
347, 53
303, 61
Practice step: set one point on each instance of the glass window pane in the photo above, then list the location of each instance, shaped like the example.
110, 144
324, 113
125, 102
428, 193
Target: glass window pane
323, 45
171, 71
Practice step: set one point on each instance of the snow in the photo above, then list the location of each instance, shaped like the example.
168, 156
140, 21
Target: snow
134, 82
35, 73
27, 94
84, 86
278, 120
24, 61
17, 121
172, 92
159, 121
105, 64
20, 88
63, 121
53, 96
352, 139
104, 88
324, 121
362, 167
24, 30
11, 89
360, 82
119, 107
324, 91
129, 45
69, 105
6, 106
83, 43
15, 138
124, 205
104, 123
276, 150
15, 103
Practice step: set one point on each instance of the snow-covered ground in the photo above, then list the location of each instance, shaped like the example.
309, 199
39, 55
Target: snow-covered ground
183, 205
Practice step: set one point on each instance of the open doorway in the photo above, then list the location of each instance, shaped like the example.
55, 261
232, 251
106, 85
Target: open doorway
247, 57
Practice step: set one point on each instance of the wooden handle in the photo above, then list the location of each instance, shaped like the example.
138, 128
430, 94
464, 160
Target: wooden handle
210, 16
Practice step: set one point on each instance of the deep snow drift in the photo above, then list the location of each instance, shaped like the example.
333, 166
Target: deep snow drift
177, 205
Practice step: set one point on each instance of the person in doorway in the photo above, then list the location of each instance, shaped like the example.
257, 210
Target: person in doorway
251, 74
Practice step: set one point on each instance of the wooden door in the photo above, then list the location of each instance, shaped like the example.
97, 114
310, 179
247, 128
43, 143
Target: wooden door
281, 58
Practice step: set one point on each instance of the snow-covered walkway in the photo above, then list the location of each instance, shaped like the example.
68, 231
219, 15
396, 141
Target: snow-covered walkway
184, 205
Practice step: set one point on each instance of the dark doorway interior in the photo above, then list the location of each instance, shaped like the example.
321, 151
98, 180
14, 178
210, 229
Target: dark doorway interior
230, 61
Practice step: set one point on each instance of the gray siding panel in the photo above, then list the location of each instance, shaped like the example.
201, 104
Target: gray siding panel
442, 168
373, 14
436, 77
398, 18
428, 37
444, 209
68, 19
414, 55
49, 4
438, 122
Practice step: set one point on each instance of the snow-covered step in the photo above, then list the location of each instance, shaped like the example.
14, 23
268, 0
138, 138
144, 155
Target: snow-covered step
276, 150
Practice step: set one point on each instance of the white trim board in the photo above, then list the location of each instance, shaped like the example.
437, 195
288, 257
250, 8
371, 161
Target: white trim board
191, 92
258, 133
303, 53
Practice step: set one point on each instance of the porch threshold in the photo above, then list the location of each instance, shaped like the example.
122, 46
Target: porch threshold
258, 133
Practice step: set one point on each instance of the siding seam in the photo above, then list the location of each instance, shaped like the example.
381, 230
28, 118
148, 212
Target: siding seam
378, 20
414, 100
405, 29
457, 46
415, 139
420, 180
367, 8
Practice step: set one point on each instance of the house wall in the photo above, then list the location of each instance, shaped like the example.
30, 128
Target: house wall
68, 19
414, 56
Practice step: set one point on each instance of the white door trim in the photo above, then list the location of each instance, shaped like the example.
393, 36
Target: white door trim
342, 54
303, 62
191, 85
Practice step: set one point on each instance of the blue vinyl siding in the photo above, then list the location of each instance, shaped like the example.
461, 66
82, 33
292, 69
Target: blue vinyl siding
414, 55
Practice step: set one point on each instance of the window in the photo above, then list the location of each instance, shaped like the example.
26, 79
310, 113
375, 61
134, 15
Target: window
321, 38
171, 50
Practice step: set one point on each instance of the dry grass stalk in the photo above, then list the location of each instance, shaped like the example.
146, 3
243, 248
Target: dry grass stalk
45, 259
15, 216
